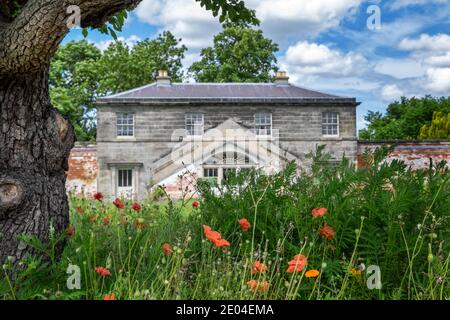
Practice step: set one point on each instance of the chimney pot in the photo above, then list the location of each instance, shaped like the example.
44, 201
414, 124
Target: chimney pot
163, 78
281, 78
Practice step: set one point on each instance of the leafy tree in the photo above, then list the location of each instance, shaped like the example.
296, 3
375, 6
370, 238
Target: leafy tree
403, 119
80, 72
439, 128
36, 139
239, 54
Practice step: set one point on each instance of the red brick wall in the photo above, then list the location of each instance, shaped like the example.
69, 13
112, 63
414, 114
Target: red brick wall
83, 168
416, 154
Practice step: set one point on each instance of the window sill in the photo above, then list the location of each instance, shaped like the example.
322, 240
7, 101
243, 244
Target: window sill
125, 138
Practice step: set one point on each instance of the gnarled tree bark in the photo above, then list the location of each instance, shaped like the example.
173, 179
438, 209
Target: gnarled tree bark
35, 140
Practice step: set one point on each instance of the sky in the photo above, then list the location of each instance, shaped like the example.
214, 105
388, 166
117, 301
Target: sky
376, 51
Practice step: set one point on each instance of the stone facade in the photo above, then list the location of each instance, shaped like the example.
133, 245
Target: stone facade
160, 150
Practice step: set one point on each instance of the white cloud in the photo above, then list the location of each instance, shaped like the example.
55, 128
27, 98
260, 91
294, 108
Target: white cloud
391, 92
400, 68
440, 42
438, 80
131, 41
318, 59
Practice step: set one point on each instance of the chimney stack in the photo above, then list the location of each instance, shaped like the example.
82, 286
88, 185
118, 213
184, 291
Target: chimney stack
281, 79
163, 78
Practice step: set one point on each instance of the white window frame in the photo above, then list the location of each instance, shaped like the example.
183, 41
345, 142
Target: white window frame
119, 116
325, 123
190, 120
258, 123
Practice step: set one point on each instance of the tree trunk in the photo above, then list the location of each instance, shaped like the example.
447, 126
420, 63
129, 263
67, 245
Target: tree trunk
35, 141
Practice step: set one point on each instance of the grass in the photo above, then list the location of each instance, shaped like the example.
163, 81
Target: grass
384, 215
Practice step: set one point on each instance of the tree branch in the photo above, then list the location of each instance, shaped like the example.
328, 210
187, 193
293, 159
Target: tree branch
29, 41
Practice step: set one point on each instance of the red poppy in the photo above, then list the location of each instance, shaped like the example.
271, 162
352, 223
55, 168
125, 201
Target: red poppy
245, 225
297, 264
167, 249
106, 221
215, 237
258, 267
261, 286
70, 231
79, 210
103, 272
119, 204
111, 297
327, 232
318, 212
195, 204
136, 207
98, 196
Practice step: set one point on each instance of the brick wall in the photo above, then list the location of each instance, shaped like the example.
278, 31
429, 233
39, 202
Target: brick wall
416, 154
83, 170
83, 167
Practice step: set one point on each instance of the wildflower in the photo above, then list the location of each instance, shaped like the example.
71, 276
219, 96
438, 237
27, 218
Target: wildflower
259, 267
119, 204
102, 271
297, 264
261, 286
139, 224
106, 221
136, 207
215, 237
318, 212
110, 297
245, 225
167, 249
98, 196
195, 204
70, 231
93, 218
327, 232
79, 210
312, 273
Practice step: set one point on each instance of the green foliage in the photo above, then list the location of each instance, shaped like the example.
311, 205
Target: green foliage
403, 119
439, 127
239, 54
80, 72
385, 215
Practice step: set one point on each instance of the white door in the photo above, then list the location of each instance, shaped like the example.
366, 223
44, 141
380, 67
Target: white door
125, 183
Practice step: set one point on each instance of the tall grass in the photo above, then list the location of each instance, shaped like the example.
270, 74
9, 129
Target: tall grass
385, 215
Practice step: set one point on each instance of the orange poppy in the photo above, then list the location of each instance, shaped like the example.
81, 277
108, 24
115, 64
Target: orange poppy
245, 225
167, 249
312, 273
327, 232
318, 212
111, 297
261, 286
297, 264
215, 237
259, 267
195, 204
221, 243
103, 272
106, 221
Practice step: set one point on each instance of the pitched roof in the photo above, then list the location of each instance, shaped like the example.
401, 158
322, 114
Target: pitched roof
223, 92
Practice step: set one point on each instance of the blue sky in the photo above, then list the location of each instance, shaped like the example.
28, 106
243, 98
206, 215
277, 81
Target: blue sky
325, 44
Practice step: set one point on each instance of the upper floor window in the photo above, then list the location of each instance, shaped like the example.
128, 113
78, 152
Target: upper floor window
263, 124
330, 124
194, 124
125, 125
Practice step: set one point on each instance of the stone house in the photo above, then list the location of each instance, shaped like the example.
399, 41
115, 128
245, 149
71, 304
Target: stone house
149, 136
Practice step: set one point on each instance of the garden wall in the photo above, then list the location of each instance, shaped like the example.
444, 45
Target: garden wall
83, 168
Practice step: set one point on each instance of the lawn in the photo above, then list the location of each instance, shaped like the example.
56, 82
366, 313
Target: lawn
333, 232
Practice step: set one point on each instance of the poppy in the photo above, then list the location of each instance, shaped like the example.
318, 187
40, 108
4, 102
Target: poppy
103, 272
195, 204
106, 221
259, 267
98, 196
327, 232
139, 224
136, 207
312, 273
167, 249
297, 264
79, 210
318, 212
70, 231
261, 286
221, 243
245, 225
119, 204
215, 237
111, 297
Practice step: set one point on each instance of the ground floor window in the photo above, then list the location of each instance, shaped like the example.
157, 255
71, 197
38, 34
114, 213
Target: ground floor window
221, 174
125, 178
